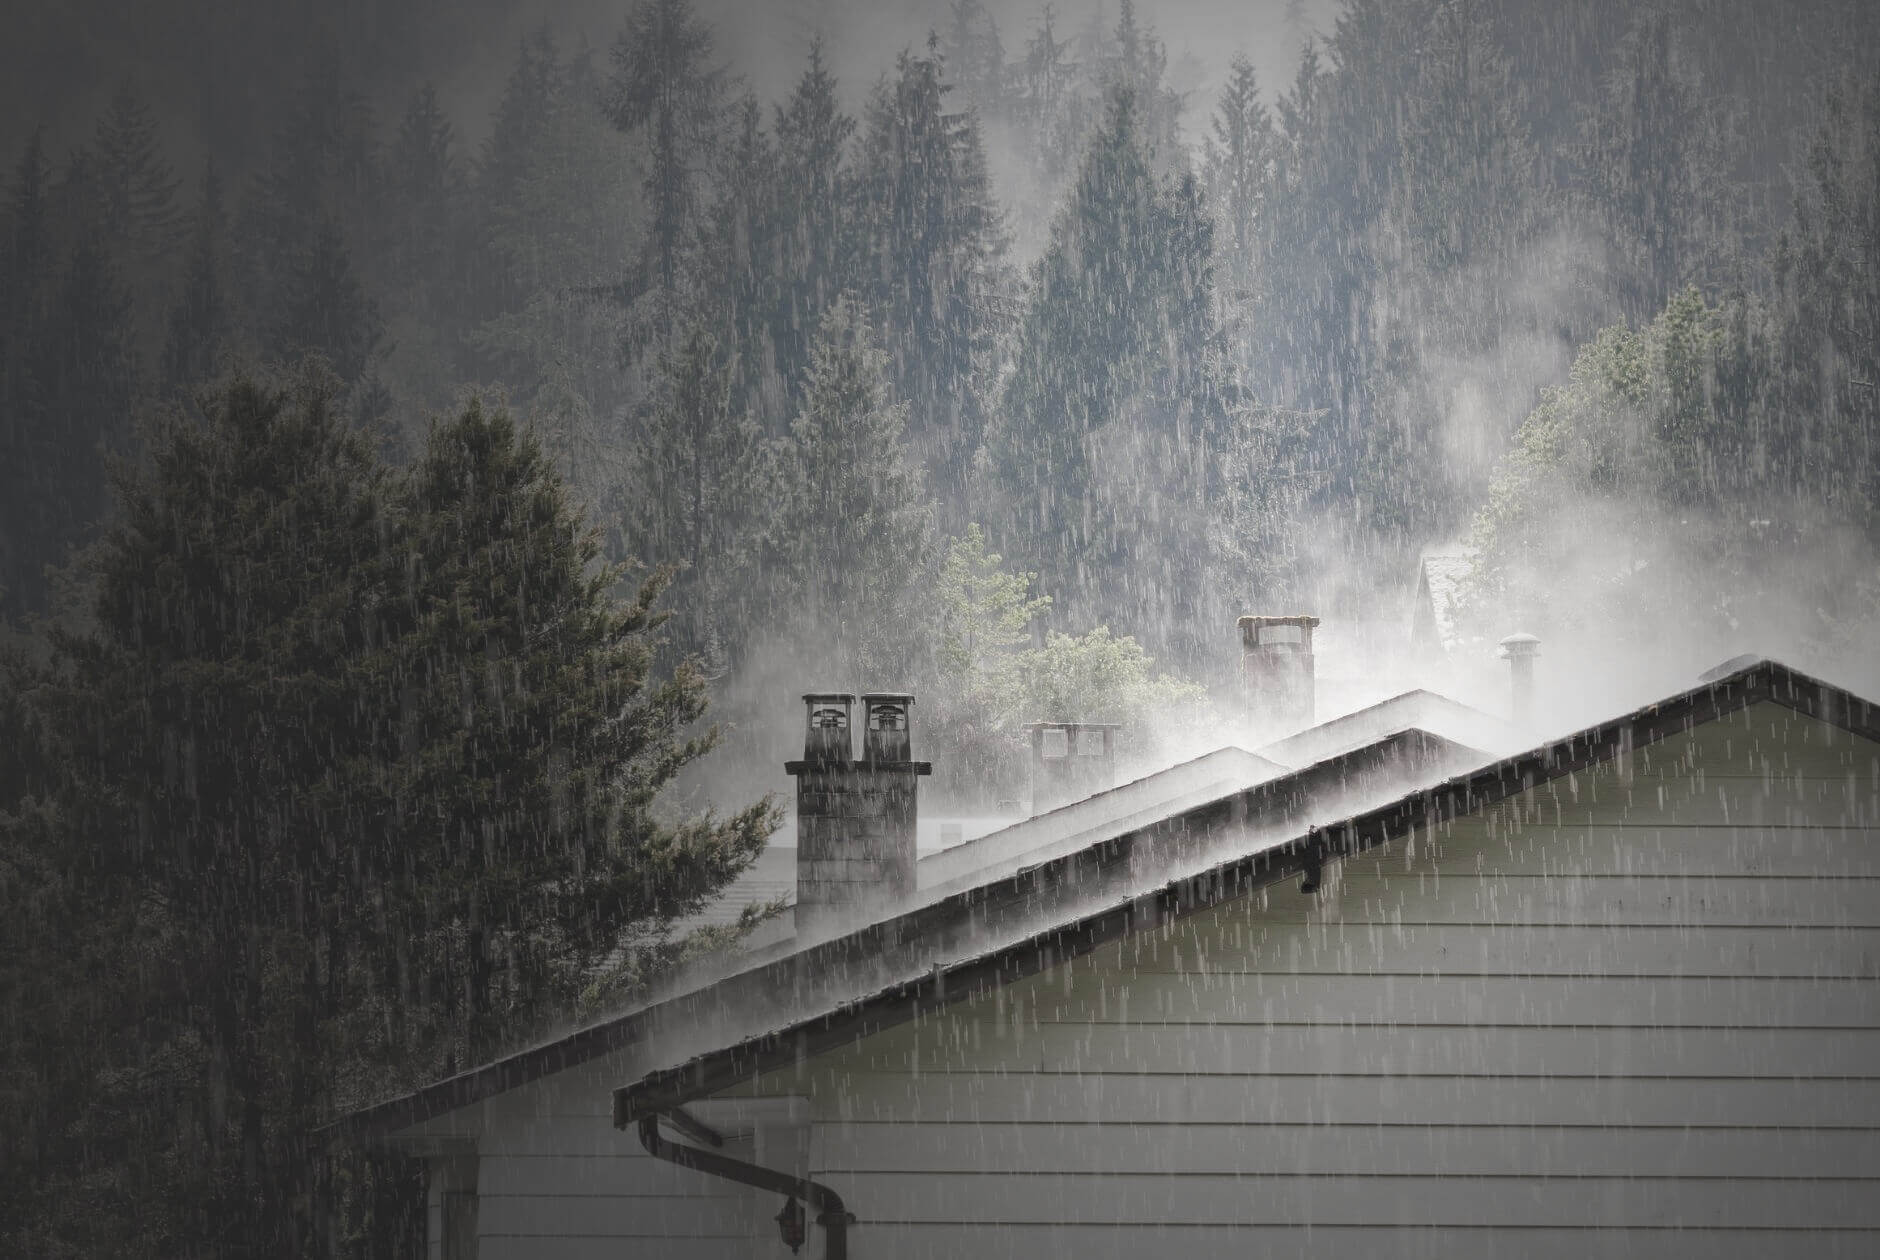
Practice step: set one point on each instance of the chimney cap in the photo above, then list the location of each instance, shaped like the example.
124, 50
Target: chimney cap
1293, 619
1518, 645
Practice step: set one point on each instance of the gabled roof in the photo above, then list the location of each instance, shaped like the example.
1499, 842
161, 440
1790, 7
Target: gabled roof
1425, 710
1260, 860
827, 974
1441, 571
1100, 816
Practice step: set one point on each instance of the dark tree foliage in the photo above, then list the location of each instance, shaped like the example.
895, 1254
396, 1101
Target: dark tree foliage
323, 307
202, 322
930, 242
1114, 408
340, 775
665, 86
814, 239
355, 773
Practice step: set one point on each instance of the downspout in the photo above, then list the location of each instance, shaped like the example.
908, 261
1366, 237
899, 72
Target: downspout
831, 1214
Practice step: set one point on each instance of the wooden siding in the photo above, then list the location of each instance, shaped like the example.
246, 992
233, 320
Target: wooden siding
1632, 1012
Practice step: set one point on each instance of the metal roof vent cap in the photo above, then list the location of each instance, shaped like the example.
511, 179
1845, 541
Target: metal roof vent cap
1521, 650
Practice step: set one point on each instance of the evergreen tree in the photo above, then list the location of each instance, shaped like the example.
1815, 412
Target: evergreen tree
136, 190
1084, 341
1137, 63
24, 294
354, 777
852, 524
534, 93
542, 740
812, 234
977, 55
424, 187
1643, 171
324, 308
1237, 162
1114, 410
201, 322
665, 86
700, 471
84, 369
1049, 101
931, 241
1827, 272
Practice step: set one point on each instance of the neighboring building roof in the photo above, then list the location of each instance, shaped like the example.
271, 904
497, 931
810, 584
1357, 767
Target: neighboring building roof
767, 881
1271, 858
1095, 818
1441, 571
1049, 884
1425, 710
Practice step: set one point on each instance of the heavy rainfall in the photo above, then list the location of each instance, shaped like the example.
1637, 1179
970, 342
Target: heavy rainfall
936, 627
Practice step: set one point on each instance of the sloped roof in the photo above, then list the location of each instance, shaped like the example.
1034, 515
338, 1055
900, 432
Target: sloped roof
1269, 859
954, 921
1425, 710
1100, 816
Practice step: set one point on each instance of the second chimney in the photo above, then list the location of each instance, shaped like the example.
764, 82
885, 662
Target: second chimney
1277, 670
1069, 761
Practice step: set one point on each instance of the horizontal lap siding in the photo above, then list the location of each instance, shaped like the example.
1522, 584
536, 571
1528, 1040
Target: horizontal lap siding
1624, 1014
576, 1186
945, 1240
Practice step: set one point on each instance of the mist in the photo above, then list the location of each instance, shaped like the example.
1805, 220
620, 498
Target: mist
440, 444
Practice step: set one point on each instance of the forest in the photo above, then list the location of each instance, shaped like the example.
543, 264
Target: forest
417, 521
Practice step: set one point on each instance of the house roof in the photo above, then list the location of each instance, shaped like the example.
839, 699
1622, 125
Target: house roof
1441, 572
1425, 710
957, 920
1267, 861
1097, 817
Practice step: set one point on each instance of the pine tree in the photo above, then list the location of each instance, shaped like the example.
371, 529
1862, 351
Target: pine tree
852, 526
324, 308
1137, 63
977, 55
137, 191
24, 294
747, 254
813, 185
424, 186
355, 777
665, 86
1238, 158
542, 740
1087, 334
1643, 172
1105, 455
700, 469
932, 238
201, 322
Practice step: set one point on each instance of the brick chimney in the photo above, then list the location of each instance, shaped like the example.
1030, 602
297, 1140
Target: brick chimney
1276, 669
854, 818
1069, 761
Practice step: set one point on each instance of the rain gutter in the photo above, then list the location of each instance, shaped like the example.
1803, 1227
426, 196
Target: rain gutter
832, 1215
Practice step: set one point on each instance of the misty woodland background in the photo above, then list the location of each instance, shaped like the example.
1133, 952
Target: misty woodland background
395, 481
